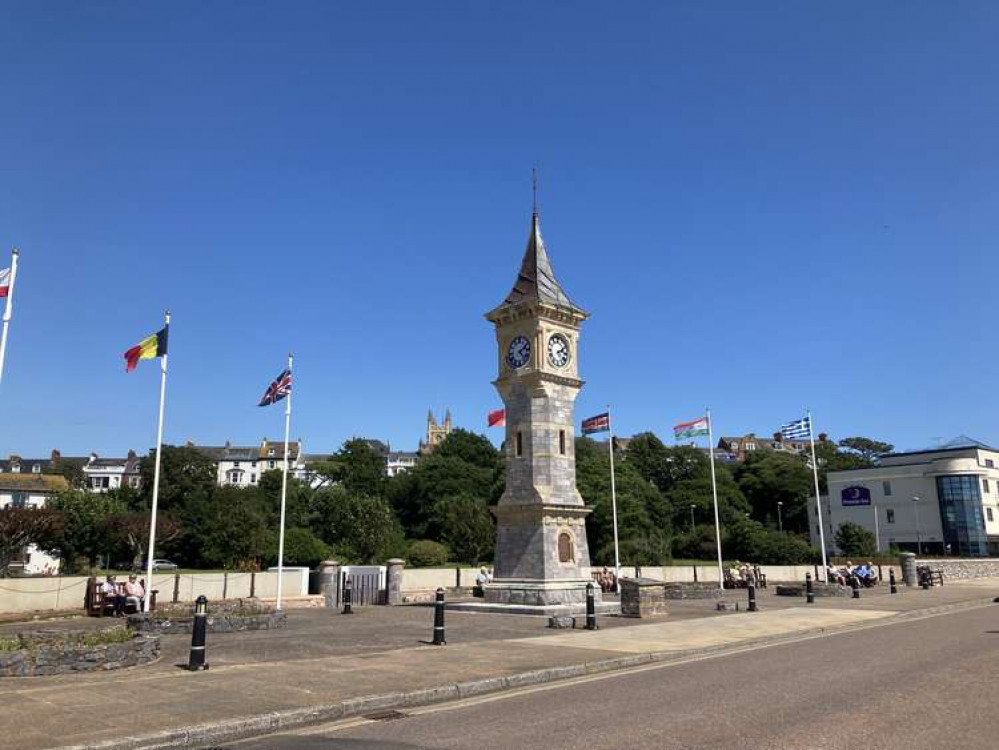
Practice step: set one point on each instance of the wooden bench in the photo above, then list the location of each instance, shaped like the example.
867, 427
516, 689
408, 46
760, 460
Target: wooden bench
929, 576
97, 604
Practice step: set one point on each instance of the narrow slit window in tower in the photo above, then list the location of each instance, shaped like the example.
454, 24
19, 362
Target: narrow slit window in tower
520, 444
561, 442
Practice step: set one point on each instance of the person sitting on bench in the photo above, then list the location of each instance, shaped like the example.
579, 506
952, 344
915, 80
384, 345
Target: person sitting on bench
113, 596
134, 593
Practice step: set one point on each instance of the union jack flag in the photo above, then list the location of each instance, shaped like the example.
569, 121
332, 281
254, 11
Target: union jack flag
277, 390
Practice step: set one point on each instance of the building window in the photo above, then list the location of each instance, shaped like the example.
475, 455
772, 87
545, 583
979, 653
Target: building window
886, 488
270, 464
253, 478
750, 446
520, 444
985, 486
561, 442
989, 463
565, 548
890, 514
15, 468
961, 514
253, 464
36, 469
270, 452
988, 513
235, 464
19, 500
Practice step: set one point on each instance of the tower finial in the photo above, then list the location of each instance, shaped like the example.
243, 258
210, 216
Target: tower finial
534, 186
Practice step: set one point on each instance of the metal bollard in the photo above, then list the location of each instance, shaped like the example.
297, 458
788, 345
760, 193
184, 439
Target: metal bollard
196, 661
855, 585
591, 608
348, 589
891, 581
751, 588
439, 619
809, 590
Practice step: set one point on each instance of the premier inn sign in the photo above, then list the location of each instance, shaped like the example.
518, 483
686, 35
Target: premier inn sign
856, 496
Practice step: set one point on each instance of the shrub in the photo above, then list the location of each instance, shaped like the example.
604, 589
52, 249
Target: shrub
427, 554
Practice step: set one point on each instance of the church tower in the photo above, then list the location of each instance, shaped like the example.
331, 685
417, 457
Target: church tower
541, 547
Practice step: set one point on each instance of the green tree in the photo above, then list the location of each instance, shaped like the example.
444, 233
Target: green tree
357, 467
83, 534
750, 541
298, 507
427, 554
769, 477
854, 540
226, 528
20, 527
127, 534
186, 475
359, 528
665, 466
301, 547
71, 469
465, 525
469, 447
866, 448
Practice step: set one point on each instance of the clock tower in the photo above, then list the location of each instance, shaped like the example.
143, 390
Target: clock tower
542, 557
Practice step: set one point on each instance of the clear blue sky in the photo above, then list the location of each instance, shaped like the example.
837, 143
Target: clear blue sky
764, 206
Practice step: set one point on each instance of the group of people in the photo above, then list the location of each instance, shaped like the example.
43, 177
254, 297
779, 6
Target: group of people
120, 597
606, 580
866, 573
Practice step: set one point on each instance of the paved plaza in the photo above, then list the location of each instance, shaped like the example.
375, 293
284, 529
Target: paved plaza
323, 658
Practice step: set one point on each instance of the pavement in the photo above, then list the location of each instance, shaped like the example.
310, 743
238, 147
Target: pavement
325, 665
922, 684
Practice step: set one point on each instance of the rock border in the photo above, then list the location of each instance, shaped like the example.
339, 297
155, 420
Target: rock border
54, 657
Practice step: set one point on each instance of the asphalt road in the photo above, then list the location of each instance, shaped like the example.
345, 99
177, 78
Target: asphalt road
928, 683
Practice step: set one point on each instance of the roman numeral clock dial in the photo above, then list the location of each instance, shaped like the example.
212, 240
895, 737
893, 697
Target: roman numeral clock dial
558, 350
518, 353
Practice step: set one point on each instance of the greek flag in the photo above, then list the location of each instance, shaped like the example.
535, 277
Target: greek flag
800, 429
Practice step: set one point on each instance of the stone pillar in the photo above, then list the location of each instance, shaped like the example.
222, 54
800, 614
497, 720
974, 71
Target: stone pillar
329, 574
394, 580
908, 562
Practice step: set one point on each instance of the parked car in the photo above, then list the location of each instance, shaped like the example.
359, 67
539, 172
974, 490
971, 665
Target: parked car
160, 565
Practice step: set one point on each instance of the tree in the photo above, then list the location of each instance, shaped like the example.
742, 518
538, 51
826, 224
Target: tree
185, 474
20, 527
360, 528
469, 447
769, 477
71, 469
226, 527
751, 541
301, 547
427, 554
129, 532
83, 534
465, 525
357, 467
665, 466
866, 448
854, 540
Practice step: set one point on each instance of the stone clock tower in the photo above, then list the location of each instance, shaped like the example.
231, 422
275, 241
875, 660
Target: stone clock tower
542, 557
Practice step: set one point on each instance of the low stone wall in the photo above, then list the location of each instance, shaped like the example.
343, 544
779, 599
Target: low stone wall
642, 597
46, 654
819, 589
236, 618
693, 591
963, 569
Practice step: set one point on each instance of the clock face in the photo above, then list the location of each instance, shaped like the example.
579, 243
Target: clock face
519, 352
558, 350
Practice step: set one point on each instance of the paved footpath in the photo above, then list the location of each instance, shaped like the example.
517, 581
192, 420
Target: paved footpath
322, 665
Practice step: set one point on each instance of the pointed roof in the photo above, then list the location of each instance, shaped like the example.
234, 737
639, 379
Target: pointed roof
963, 441
536, 280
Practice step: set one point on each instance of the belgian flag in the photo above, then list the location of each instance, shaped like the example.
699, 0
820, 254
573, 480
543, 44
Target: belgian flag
150, 348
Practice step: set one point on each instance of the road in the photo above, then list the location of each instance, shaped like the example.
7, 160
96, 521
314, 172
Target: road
928, 683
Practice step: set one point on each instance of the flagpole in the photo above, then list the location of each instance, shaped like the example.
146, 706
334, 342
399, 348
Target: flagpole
818, 502
8, 309
284, 490
610, 450
156, 479
714, 494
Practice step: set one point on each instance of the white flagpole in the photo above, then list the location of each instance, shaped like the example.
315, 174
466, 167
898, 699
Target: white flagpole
818, 502
610, 449
8, 310
714, 494
156, 477
284, 487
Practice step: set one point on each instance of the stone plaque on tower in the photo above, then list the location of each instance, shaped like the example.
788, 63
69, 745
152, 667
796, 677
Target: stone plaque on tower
542, 556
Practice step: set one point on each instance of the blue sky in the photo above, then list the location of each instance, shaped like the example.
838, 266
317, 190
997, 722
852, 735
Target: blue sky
764, 206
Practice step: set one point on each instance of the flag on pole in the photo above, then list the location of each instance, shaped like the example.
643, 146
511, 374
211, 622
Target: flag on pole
277, 390
599, 423
149, 348
691, 429
497, 418
800, 429
4, 282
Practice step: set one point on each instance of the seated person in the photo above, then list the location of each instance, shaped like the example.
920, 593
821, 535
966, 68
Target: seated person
871, 578
134, 593
113, 596
481, 579
835, 576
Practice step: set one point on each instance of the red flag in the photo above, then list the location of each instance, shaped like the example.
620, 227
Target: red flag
497, 418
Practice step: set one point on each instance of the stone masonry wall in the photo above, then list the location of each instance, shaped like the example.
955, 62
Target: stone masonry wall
963, 569
50, 659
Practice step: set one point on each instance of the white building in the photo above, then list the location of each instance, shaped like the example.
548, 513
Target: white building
397, 462
242, 466
941, 500
103, 474
31, 490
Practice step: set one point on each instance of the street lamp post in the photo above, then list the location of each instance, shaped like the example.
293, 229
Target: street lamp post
692, 506
919, 539
780, 519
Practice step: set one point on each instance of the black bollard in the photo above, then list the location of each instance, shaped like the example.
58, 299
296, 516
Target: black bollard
348, 593
751, 588
891, 580
591, 608
197, 659
439, 619
809, 591
855, 585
